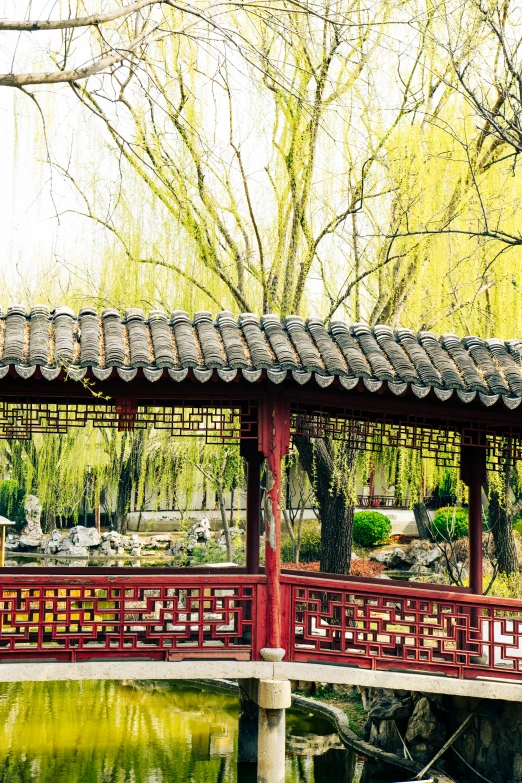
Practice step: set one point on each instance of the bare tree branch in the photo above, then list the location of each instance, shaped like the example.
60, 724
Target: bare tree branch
94, 20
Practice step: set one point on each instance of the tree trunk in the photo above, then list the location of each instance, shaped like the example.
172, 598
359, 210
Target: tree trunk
335, 511
422, 520
123, 499
295, 548
51, 521
502, 530
224, 519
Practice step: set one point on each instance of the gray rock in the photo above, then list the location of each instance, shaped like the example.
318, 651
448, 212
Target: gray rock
200, 532
422, 553
135, 551
12, 541
393, 558
53, 543
160, 542
387, 706
32, 534
106, 548
353, 556
85, 536
68, 549
424, 725
383, 734
116, 539
31, 540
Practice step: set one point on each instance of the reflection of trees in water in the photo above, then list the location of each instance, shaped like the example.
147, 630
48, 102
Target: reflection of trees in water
336, 765
103, 732
107, 732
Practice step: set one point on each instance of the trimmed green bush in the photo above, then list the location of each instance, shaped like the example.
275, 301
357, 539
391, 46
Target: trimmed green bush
450, 523
370, 528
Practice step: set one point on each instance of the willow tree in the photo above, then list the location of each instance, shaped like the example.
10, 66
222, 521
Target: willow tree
294, 155
62, 469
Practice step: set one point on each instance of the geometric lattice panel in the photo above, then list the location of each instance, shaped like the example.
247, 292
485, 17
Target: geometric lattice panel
437, 440
218, 422
380, 630
130, 619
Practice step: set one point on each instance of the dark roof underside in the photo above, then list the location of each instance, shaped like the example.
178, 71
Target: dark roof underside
174, 343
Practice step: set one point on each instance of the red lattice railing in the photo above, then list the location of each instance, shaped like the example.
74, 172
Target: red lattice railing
70, 618
390, 626
367, 623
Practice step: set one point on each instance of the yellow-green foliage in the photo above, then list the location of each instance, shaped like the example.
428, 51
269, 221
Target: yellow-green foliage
323, 173
507, 586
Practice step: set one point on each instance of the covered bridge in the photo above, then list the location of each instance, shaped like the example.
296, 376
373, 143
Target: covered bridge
263, 381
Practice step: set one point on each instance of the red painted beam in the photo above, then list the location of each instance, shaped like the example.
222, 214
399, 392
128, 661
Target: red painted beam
473, 474
274, 442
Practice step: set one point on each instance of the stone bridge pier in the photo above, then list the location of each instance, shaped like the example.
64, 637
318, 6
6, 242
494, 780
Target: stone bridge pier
261, 730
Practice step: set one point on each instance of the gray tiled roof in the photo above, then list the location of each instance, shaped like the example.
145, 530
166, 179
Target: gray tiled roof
305, 350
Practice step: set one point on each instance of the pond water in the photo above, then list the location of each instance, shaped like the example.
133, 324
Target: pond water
113, 732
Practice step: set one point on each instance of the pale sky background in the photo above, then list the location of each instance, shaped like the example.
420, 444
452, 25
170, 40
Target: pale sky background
39, 240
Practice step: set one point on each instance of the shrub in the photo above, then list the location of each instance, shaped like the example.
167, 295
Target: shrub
287, 551
12, 498
370, 528
366, 568
310, 545
450, 523
211, 553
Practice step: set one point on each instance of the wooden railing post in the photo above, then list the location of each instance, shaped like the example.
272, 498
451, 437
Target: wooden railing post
274, 442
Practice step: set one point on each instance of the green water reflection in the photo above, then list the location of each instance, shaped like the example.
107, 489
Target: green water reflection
111, 732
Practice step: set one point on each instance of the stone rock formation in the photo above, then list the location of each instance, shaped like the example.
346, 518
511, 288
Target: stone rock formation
32, 534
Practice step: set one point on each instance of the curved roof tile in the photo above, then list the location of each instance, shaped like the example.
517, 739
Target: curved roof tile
62, 338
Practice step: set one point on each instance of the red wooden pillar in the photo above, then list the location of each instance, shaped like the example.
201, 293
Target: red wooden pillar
253, 504
473, 474
274, 442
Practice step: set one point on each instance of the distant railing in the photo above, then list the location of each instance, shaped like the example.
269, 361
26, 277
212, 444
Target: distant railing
379, 501
389, 501
369, 623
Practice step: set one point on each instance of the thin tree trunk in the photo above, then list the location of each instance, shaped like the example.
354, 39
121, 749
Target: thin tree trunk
97, 507
224, 519
51, 521
336, 512
295, 548
232, 499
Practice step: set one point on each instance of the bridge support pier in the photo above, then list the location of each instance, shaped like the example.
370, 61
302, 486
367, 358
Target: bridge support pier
272, 697
248, 721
